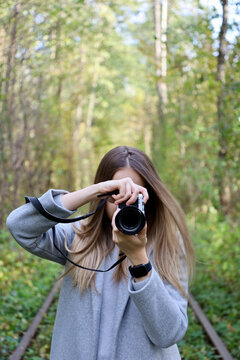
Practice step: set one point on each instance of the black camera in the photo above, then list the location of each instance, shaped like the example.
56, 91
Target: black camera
131, 219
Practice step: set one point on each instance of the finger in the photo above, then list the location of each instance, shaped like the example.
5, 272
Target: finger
133, 197
143, 233
137, 190
122, 191
145, 195
113, 220
127, 195
144, 230
114, 237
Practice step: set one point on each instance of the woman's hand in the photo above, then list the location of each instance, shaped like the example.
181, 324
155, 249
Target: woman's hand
128, 190
126, 187
133, 246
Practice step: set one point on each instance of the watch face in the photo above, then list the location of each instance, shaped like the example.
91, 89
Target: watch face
140, 270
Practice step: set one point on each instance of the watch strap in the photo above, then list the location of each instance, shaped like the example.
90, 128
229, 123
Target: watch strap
141, 270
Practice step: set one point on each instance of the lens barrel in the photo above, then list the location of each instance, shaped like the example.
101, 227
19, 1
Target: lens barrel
131, 219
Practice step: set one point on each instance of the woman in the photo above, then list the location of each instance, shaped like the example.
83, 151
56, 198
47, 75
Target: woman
116, 314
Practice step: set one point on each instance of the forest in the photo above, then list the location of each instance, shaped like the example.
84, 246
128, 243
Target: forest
79, 77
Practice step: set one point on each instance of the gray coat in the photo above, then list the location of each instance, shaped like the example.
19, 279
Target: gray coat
147, 318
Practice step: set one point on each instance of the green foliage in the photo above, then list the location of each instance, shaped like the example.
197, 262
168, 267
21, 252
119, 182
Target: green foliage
78, 78
217, 276
40, 346
25, 281
217, 248
83, 75
195, 344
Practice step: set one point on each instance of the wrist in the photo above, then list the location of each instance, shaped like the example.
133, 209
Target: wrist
138, 257
141, 272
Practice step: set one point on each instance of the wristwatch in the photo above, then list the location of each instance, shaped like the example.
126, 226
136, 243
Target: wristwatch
141, 270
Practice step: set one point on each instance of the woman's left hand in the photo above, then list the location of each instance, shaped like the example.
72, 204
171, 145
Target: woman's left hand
133, 246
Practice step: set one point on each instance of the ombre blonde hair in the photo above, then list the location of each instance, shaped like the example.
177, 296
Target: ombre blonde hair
167, 232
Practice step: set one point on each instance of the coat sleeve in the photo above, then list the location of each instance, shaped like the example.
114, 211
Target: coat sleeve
162, 307
33, 231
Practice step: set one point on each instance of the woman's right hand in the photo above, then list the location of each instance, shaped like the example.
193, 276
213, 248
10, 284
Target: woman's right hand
127, 190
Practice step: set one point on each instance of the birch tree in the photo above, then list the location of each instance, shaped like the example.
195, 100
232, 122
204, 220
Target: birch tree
222, 176
159, 129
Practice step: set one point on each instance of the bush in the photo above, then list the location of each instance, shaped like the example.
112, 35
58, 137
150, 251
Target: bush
217, 276
25, 282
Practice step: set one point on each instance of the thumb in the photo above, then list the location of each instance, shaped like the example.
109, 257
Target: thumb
143, 232
113, 220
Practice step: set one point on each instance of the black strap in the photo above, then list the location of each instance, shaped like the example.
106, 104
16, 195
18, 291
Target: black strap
38, 206
36, 203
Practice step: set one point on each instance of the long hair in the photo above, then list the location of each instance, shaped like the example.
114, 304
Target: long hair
167, 232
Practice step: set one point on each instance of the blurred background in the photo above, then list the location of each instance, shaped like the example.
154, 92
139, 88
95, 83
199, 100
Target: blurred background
78, 78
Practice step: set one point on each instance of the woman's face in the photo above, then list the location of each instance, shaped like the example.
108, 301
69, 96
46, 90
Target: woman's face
120, 174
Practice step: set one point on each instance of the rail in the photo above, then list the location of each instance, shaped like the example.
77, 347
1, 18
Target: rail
207, 326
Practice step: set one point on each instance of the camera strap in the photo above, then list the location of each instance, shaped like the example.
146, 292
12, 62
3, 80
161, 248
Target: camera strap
38, 206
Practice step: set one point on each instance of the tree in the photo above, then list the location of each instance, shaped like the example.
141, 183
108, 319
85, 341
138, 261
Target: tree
222, 173
159, 139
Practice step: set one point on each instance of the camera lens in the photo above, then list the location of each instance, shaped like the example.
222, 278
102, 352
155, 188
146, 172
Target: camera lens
130, 220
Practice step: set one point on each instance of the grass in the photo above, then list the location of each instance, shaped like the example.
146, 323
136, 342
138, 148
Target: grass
25, 282
195, 344
39, 347
216, 286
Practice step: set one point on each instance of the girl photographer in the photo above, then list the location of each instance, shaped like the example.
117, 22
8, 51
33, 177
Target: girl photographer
138, 310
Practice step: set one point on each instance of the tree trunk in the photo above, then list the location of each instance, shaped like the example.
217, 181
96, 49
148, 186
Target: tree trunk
222, 176
159, 138
92, 98
8, 110
10, 64
162, 81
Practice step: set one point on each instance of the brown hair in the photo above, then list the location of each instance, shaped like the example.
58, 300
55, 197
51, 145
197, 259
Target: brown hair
167, 231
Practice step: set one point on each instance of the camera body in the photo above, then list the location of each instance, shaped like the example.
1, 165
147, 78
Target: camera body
131, 219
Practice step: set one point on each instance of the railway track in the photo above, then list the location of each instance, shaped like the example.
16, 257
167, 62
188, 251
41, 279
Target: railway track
205, 323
